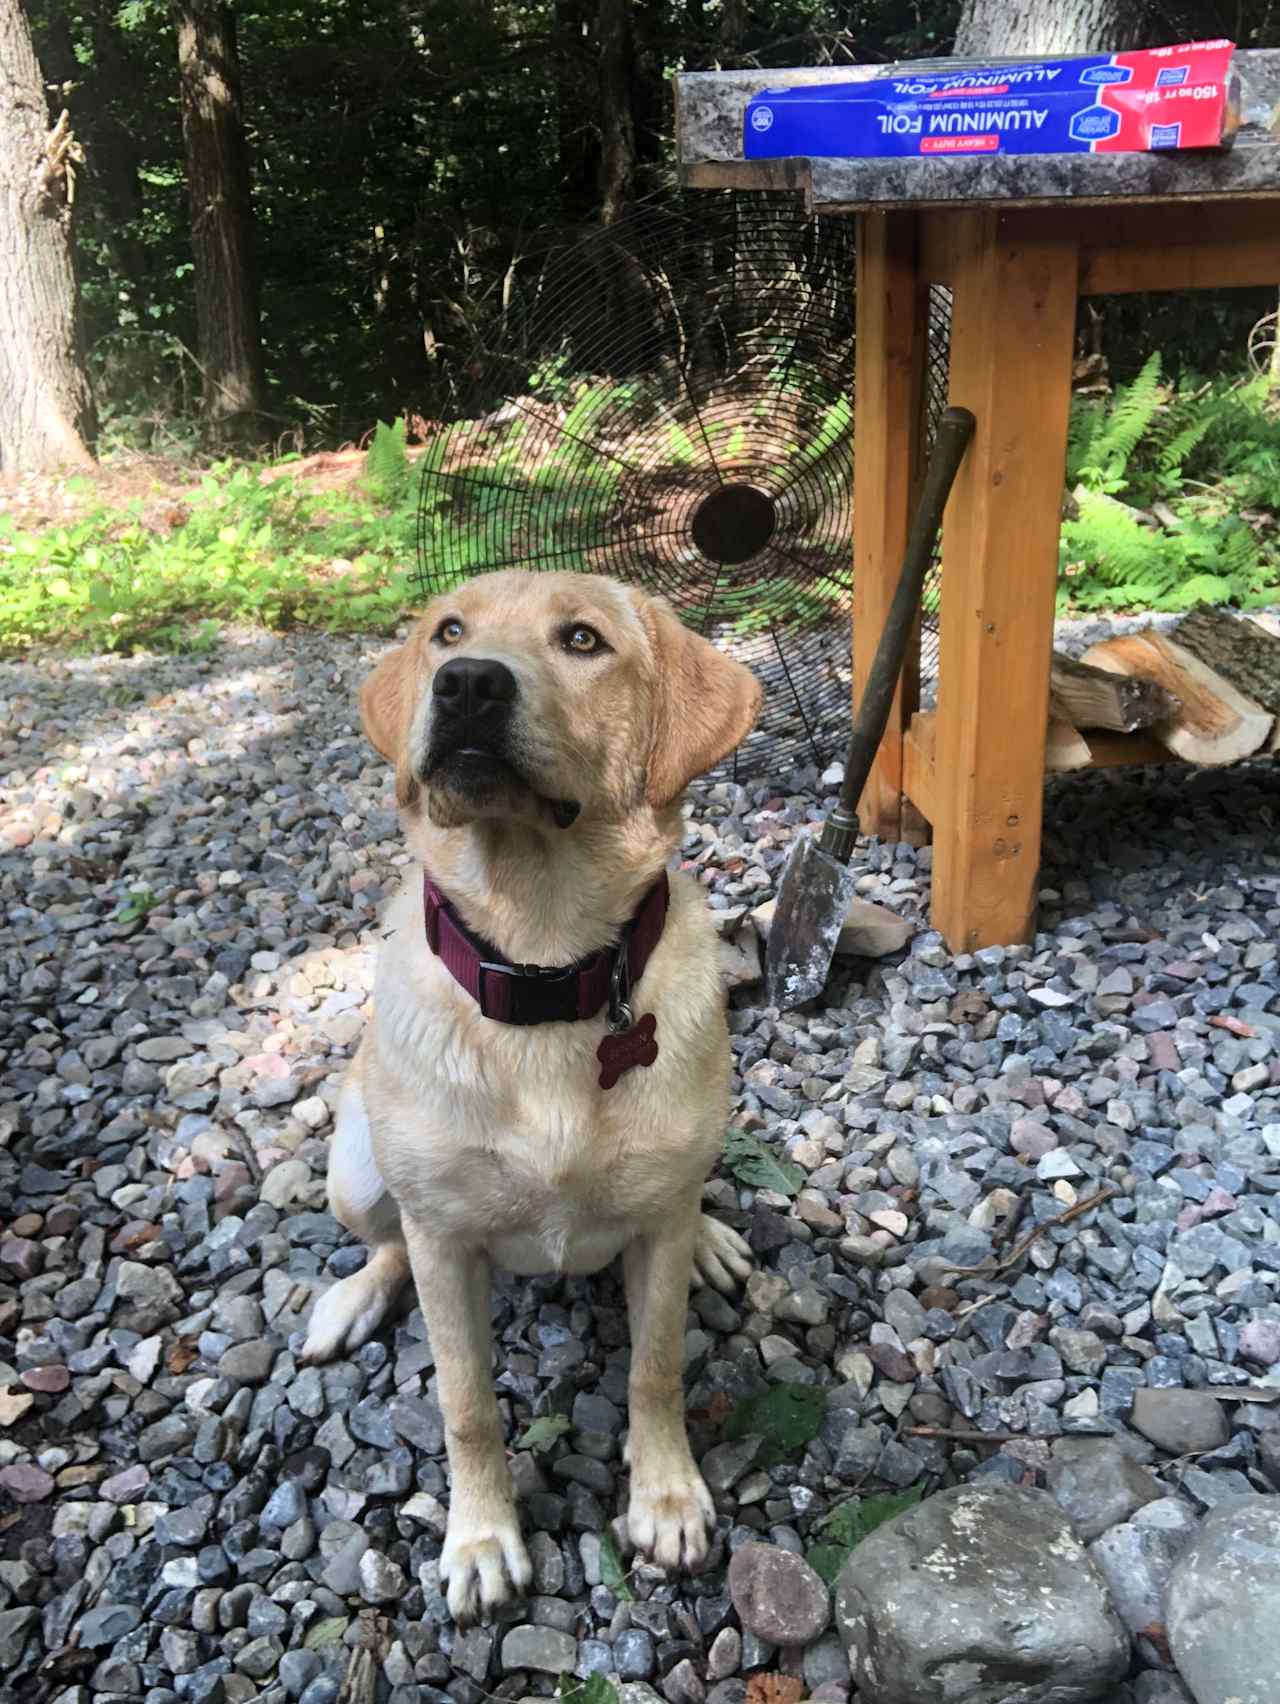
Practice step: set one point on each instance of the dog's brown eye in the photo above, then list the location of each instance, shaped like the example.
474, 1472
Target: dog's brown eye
449, 632
582, 639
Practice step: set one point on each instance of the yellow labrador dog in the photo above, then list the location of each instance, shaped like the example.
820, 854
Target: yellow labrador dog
545, 1081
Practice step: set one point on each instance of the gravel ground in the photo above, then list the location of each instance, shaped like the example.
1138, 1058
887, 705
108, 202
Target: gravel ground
192, 858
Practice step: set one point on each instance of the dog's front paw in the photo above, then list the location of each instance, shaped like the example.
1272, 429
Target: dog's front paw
670, 1513
720, 1256
484, 1562
350, 1311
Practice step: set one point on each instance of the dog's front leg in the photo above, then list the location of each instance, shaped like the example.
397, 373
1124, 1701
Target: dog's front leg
484, 1560
670, 1508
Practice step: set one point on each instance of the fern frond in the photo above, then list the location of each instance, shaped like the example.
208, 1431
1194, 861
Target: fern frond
1134, 409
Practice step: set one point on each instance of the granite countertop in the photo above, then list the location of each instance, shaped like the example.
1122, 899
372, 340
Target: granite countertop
709, 115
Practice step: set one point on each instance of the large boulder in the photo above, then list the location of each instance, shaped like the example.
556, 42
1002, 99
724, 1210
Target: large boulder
1223, 1605
978, 1595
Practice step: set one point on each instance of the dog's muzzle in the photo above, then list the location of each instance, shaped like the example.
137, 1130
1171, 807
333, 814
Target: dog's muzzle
472, 705
470, 748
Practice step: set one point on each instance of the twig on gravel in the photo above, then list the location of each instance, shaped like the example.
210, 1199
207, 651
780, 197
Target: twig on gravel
965, 1435
987, 1269
1012, 1220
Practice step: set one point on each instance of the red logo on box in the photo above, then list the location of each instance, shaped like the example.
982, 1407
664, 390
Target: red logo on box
960, 145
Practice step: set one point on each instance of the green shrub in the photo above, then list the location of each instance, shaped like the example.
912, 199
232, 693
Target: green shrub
1207, 456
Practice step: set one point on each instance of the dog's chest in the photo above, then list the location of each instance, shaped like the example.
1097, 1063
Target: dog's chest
544, 1168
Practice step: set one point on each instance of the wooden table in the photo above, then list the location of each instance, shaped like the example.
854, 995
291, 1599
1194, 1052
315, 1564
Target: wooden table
1018, 239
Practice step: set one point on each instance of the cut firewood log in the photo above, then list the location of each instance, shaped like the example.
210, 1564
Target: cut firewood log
1099, 698
1065, 747
1267, 621
1216, 723
1248, 656
1245, 652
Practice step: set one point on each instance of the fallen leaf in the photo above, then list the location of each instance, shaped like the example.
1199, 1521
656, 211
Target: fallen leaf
326, 1632
541, 1434
851, 1522
612, 1573
774, 1689
754, 1164
595, 1689
786, 1418
181, 1354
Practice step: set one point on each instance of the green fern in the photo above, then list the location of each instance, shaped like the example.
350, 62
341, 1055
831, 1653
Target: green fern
386, 464
1103, 453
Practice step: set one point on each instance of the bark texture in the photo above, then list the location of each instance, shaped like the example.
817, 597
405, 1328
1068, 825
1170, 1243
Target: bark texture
1043, 26
617, 126
1240, 650
46, 413
221, 215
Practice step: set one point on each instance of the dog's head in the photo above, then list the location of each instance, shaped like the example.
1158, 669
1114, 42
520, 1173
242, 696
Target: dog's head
546, 697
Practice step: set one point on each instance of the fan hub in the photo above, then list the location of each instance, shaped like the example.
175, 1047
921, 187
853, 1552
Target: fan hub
734, 523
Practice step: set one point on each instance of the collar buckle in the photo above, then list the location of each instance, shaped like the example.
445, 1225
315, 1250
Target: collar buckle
620, 1013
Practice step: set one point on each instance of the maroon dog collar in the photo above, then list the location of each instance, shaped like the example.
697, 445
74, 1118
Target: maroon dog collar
529, 994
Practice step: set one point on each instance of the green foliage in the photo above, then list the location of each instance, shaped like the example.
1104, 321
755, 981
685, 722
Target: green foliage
845, 1527
386, 464
786, 1417
136, 906
1103, 435
245, 549
321, 1635
541, 1434
595, 1689
612, 1573
757, 1166
1207, 455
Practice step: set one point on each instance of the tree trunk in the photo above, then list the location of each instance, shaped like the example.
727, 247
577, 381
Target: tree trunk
617, 127
1012, 27
578, 143
221, 215
46, 413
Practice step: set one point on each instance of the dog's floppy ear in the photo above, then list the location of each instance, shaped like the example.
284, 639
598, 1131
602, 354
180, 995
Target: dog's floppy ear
703, 704
386, 710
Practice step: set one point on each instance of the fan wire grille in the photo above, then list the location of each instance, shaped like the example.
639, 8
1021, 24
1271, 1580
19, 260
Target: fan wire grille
669, 403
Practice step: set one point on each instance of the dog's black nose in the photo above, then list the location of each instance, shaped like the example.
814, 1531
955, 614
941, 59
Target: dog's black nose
474, 688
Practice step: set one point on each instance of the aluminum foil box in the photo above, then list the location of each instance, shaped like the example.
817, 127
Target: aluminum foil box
1157, 98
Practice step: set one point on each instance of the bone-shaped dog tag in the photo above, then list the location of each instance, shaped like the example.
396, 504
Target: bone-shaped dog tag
635, 1046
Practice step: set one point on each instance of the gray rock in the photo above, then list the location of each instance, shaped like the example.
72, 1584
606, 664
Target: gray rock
979, 1595
683, 1685
1136, 1562
108, 1624
1153, 1687
343, 1573
541, 1648
725, 1654
260, 1657
778, 1596
381, 1579
297, 1670
1097, 1485
15, 1627
635, 1656
1224, 1629
724, 1465
473, 1653
1180, 1421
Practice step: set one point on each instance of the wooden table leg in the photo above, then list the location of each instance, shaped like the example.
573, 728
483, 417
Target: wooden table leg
1012, 338
892, 338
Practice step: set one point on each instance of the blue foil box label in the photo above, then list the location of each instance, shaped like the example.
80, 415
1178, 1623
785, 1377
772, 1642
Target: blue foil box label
1178, 97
